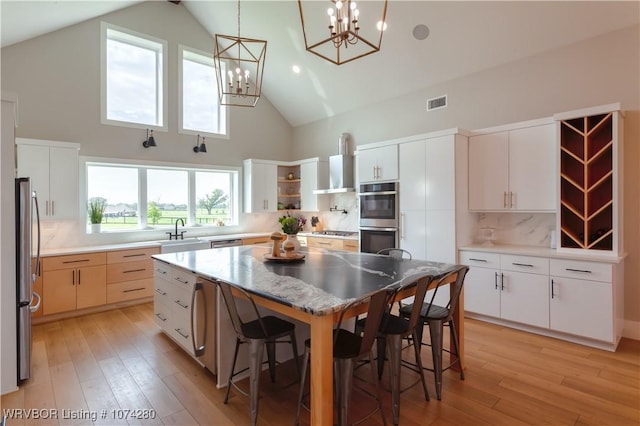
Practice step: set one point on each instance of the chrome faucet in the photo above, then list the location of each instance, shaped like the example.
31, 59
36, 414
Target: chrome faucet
181, 235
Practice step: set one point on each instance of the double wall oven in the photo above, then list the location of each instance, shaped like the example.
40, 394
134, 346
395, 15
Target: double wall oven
378, 216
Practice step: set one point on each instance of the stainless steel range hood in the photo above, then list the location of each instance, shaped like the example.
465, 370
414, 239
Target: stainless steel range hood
340, 175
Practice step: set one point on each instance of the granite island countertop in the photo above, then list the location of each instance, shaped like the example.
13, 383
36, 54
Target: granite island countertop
321, 284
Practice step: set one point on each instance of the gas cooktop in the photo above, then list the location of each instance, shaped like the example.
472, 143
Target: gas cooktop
336, 233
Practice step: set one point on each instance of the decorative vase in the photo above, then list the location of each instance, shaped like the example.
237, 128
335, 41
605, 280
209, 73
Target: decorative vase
95, 228
293, 238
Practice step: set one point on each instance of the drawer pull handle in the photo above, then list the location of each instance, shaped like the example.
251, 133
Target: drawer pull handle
134, 255
161, 318
182, 281
134, 270
522, 264
496, 280
163, 293
585, 271
76, 261
478, 260
186, 336
160, 271
553, 295
133, 289
182, 305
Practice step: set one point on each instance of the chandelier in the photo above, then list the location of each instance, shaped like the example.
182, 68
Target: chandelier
239, 65
345, 38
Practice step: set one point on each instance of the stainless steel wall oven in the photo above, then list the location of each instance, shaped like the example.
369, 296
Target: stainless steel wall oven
378, 216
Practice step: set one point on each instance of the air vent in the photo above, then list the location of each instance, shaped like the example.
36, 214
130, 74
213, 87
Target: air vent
437, 103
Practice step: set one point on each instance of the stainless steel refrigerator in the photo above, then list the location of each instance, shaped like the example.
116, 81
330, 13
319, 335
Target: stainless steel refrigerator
27, 269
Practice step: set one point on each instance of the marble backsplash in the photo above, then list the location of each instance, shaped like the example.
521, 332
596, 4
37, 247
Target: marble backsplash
528, 229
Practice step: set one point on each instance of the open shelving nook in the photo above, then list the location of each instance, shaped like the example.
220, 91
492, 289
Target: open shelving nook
289, 196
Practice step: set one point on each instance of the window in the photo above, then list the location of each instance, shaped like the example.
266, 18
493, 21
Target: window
133, 79
141, 196
201, 111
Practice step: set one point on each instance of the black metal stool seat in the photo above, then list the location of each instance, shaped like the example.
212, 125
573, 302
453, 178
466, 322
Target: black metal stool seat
436, 317
348, 348
258, 333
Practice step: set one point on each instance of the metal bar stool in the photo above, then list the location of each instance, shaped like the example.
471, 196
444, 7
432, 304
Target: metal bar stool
437, 317
259, 332
348, 348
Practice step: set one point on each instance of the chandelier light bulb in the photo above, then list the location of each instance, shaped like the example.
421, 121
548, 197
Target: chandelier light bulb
338, 5
353, 5
330, 11
382, 26
356, 13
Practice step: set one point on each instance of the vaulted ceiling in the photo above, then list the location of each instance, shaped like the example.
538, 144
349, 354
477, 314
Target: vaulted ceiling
464, 37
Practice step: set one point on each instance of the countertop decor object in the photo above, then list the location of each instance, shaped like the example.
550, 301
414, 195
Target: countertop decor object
292, 224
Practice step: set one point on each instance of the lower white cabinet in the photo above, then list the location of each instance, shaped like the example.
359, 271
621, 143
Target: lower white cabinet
497, 286
582, 299
576, 300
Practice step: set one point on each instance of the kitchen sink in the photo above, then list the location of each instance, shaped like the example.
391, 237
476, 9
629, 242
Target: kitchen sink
188, 244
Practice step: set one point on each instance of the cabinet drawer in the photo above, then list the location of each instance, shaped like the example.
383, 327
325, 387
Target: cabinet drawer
255, 240
327, 243
480, 259
73, 261
582, 270
132, 255
350, 245
129, 271
534, 265
161, 270
129, 290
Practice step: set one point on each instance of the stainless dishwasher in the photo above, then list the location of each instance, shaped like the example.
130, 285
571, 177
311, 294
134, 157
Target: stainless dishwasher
226, 243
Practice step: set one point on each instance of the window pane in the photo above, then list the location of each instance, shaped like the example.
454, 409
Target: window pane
132, 83
167, 196
213, 199
200, 109
119, 186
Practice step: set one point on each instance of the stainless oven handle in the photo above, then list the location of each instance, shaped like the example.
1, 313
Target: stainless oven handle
378, 193
373, 228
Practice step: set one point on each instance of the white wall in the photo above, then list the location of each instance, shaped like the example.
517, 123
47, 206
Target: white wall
598, 71
57, 77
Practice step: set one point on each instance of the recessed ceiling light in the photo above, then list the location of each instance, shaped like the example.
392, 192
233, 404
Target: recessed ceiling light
296, 69
420, 32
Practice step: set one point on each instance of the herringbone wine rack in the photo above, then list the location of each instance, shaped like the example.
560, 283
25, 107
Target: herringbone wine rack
586, 182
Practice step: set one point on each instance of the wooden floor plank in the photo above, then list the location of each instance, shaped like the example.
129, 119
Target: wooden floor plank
120, 360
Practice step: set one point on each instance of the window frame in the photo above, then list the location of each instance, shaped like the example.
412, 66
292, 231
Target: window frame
143, 167
162, 86
223, 108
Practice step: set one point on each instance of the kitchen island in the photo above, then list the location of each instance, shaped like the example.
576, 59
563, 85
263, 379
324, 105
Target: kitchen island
312, 291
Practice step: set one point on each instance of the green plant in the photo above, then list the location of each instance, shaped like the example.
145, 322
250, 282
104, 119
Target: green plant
96, 209
292, 224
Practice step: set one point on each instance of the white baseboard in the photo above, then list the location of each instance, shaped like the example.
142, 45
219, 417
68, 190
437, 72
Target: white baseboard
631, 329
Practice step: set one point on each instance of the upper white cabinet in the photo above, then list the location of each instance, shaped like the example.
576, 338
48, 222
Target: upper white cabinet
378, 164
53, 169
270, 186
513, 170
260, 186
314, 174
430, 180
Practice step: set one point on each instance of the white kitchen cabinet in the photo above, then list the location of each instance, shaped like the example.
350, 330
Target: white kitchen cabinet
260, 186
314, 174
582, 299
524, 295
427, 192
576, 300
482, 283
513, 288
378, 164
513, 170
53, 168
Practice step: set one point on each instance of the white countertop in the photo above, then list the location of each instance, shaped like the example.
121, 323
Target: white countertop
140, 244
539, 251
339, 237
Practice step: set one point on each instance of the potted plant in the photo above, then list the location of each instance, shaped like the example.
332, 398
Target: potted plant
96, 212
291, 225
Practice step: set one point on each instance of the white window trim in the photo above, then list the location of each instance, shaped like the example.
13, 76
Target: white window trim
234, 207
181, 129
104, 26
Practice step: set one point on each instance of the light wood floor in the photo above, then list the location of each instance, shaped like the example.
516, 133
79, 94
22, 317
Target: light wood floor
115, 361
